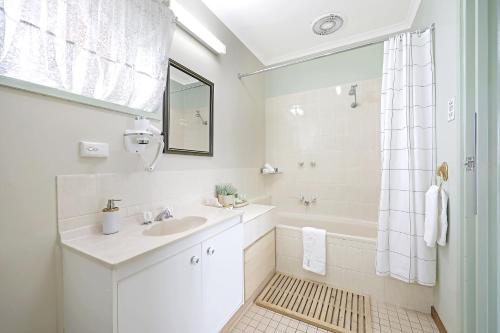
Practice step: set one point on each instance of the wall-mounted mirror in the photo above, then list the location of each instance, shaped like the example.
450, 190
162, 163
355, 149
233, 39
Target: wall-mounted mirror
188, 113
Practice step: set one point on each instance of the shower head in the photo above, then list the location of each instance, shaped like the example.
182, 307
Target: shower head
197, 114
352, 92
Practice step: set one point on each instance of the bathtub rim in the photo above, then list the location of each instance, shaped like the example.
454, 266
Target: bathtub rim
332, 234
281, 215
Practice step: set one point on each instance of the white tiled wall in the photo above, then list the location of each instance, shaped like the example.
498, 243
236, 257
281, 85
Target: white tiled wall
80, 198
344, 143
350, 265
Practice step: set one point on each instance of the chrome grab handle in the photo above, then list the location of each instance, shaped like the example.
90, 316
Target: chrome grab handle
210, 251
195, 260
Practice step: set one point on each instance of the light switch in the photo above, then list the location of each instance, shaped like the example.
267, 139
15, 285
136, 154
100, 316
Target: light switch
451, 109
94, 149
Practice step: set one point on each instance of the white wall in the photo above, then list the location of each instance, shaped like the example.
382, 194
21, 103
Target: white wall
355, 65
40, 140
342, 141
445, 14
81, 198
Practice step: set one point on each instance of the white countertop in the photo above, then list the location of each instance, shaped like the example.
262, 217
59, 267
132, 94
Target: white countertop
252, 211
130, 242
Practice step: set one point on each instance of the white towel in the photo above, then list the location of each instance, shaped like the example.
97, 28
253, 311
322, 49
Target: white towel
443, 217
431, 216
314, 243
268, 167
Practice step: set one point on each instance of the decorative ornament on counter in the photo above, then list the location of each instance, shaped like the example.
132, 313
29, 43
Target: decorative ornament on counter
212, 202
240, 201
226, 193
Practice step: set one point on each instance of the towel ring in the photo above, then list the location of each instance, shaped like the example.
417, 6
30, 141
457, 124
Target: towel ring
442, 171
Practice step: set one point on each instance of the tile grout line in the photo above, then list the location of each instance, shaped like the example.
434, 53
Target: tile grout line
259, 320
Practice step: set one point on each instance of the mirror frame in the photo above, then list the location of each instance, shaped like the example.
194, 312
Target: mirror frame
166, 113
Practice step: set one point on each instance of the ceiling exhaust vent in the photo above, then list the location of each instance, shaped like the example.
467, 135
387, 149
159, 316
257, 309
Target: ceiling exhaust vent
327, 24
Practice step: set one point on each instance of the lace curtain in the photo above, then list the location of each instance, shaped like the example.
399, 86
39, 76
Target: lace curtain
111, 50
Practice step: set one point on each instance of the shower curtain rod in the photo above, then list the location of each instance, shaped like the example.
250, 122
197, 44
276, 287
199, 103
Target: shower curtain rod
329, 53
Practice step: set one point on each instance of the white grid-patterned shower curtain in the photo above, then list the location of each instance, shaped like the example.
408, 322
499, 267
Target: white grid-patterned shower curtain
408, 158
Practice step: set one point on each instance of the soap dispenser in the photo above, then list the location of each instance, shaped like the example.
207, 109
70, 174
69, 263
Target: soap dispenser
111, 218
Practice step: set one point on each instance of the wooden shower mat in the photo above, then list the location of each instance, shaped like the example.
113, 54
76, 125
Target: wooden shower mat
318, 304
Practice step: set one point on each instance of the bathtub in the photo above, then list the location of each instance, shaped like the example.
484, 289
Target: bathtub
351, 250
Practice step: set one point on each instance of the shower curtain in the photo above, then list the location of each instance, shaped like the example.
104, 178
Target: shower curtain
408, 158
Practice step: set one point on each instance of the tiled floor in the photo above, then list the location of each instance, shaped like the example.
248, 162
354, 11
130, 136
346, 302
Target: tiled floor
391, 319
386, 318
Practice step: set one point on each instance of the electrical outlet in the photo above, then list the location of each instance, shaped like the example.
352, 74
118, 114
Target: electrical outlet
451, 109
94, 149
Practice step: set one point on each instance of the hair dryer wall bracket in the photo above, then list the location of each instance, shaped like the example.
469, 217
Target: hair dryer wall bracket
143, 136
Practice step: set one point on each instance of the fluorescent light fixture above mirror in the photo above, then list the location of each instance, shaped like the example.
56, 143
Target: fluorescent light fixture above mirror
192, 26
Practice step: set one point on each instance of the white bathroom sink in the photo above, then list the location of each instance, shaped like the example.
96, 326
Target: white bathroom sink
174, 226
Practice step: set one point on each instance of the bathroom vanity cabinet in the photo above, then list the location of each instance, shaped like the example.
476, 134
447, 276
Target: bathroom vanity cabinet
192, 285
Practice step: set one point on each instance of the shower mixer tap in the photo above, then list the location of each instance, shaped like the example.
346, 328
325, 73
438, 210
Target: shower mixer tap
308, 202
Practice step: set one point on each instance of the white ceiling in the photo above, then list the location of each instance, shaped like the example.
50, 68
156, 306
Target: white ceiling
280, 30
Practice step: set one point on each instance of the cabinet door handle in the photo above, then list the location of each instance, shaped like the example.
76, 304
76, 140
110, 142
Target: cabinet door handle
195, 260
210, 251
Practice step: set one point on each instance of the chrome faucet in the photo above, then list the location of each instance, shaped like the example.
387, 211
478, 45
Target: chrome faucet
308, 202
165, 214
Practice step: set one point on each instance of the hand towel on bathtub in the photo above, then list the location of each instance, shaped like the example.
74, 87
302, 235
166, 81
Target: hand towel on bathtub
314, 243
431, 216
443, 217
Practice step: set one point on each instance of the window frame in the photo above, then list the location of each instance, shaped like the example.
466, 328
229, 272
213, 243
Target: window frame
72, 97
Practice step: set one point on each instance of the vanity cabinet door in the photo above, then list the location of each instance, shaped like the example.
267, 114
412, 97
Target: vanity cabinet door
164, 298
222, 277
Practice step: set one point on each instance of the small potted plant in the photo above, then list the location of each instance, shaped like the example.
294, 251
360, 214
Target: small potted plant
226, 194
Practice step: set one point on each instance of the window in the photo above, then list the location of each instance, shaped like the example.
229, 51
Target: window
100, 52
